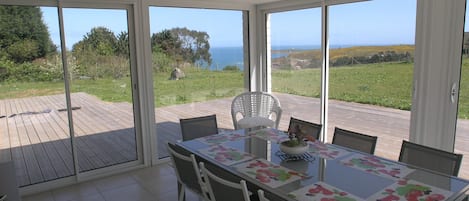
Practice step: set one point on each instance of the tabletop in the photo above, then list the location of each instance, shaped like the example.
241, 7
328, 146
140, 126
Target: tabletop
325, 171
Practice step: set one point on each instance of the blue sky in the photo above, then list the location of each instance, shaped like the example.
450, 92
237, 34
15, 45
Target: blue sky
367, 23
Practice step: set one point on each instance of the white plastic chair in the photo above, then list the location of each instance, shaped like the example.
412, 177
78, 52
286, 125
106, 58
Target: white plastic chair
220, 189
255, 109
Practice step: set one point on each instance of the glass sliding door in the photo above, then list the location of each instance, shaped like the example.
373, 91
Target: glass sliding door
34, 130
371, 70
462, 129
198, 67
101, 86
295, 60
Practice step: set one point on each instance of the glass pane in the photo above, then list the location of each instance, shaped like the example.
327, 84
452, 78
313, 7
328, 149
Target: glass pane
462, 129
101, 95
33, 127
296, 61
371, 70
197, 66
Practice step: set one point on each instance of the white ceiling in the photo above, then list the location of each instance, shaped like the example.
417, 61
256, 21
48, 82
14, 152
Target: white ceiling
253, 1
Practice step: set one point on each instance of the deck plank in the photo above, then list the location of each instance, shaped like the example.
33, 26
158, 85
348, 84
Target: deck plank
5, 151
40, 154
33, 171
46, 135
105, 132
16, 151
103, 127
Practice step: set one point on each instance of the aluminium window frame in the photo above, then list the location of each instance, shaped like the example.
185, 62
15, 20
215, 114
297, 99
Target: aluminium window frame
131, 7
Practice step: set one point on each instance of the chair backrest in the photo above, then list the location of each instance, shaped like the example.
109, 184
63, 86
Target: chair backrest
354, 140
256, 104
305, 127
186, 168
430, 158
223, 190
192, 128
261, 195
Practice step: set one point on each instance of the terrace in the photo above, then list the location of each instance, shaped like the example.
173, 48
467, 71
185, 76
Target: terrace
38, 139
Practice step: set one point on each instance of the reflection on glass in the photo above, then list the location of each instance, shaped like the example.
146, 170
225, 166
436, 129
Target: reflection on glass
33, 128
101, 95
197, 67
462, 132
295, 63
371, 70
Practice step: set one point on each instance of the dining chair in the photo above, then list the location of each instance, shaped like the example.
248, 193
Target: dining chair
192, 128
354, 140
220, 189
430, 158
260, 194
254, 109
187, 172
305, 127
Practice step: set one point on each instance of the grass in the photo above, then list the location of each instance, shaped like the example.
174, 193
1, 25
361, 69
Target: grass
199, 85
383, 84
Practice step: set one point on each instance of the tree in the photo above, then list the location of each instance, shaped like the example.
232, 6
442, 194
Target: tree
166, 43
23, 34
122, 46
99, 40
194, 44
101, 54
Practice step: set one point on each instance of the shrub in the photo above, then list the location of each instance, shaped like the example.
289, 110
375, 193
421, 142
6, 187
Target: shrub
28, 72
231, 68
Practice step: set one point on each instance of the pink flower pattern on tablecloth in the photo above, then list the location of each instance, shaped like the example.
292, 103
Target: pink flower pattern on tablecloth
410, 190
223, 137
378, 166
269, 134
326, 151
321, 191
268, 173
226, 155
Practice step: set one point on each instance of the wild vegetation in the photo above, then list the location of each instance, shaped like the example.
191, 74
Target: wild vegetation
297, 59
99, 64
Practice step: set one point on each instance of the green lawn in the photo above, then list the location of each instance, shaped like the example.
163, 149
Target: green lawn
199, 85
384, 84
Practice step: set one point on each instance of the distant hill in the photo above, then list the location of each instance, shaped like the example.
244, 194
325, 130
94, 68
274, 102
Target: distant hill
345, 56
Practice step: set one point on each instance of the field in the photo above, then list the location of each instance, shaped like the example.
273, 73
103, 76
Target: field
383, 84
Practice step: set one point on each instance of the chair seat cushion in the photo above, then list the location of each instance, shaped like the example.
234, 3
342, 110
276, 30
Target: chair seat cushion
251, 122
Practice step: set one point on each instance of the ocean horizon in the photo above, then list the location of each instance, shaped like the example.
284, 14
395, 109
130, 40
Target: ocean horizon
233, 56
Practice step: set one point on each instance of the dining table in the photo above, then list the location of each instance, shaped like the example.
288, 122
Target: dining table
324, 172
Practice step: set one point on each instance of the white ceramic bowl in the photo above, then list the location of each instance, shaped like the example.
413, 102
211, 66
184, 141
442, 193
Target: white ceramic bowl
296, 150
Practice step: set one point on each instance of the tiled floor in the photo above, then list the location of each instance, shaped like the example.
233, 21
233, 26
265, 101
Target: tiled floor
156, 183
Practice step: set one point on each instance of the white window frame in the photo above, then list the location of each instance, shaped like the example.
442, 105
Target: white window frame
438, 42
141, 126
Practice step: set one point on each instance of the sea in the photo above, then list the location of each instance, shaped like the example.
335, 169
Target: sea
233, 56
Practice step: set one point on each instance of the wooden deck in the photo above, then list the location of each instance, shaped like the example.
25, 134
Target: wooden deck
34, 132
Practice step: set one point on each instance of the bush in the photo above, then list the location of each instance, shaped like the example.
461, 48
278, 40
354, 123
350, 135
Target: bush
161, 62
27, 72
231, 68
22, 51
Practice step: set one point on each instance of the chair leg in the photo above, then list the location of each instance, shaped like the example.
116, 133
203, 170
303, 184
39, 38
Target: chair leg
181, 192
